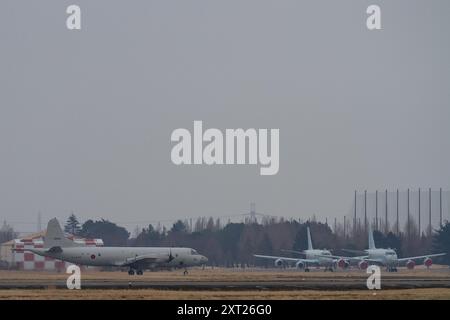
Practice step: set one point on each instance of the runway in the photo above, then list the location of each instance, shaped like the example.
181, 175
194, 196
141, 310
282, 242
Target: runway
226, 280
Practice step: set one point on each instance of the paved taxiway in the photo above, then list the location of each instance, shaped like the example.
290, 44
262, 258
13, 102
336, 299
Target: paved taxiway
224, 279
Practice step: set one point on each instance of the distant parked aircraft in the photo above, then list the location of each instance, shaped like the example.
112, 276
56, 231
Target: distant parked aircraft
313, 257
385, 257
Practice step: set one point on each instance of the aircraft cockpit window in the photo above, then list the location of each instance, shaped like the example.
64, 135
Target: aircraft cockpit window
193, 251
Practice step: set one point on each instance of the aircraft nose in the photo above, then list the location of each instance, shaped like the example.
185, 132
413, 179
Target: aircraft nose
204, 259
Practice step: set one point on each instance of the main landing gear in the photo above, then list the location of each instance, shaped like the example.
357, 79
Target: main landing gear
391, 269
131, 272
185, 272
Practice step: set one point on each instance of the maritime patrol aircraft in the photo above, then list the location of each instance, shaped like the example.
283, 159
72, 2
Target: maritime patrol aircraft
136, 259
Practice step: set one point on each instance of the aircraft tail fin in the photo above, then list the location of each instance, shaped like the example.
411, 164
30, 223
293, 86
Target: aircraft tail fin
371, 241
310, 246
55, 236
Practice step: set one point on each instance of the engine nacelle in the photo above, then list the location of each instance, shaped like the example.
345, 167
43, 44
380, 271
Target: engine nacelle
410, 264
428, 262
300, 265
278, 263
343, 264
363, 265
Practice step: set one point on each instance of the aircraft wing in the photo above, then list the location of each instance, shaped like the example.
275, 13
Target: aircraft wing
346, 258
422, 257
310, 261
355, 251
357, 259
378, 262
146, 260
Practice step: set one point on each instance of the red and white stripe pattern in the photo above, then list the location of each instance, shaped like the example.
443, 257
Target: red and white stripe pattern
26, 260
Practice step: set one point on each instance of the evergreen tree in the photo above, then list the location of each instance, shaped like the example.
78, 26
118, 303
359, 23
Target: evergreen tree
441, 241
265, 247
112, 234
394, 242
72, 225
300, 241
179, 226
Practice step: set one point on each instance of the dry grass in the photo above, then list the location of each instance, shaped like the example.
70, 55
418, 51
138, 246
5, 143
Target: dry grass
220, 274
149, 294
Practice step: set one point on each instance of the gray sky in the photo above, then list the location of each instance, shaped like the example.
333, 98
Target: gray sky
86, 116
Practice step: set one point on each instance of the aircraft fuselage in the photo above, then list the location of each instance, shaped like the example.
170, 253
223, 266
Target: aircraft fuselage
117, 256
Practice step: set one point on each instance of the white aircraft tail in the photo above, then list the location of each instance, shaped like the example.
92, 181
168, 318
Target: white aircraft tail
310, 246
371, 241
55, 236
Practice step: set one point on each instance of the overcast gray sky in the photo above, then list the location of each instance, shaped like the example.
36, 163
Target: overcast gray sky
86, 116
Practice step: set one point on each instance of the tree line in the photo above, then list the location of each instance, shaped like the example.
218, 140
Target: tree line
234, 244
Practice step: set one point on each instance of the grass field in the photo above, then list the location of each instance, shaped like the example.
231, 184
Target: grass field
224, 275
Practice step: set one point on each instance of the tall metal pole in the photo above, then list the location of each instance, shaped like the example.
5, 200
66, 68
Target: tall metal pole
39, 225
429, 211
386, 224
408, 216
376, 209
354, 221
398, 223
440, 207
344, 228
365, 211
419, 215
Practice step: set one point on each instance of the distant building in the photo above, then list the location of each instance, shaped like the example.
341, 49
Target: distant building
14, 256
